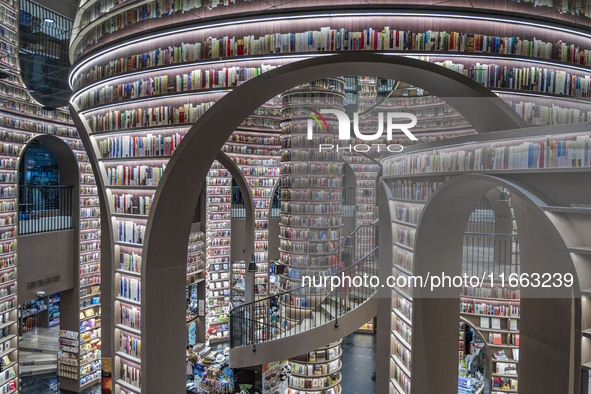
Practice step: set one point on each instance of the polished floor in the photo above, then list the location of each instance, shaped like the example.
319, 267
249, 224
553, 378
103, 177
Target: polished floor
46, 384
359, 364
38, 357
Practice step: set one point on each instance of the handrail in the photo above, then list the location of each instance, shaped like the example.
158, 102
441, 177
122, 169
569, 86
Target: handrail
44, 208
492, 234
251, 324
259, 320
335, 251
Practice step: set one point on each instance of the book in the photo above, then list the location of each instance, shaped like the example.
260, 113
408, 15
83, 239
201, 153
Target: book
512, 324
484, 322
497, 338
495, 323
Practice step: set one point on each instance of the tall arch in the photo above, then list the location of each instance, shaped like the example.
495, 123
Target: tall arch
164, 249
242, 183
547, 355
35, 263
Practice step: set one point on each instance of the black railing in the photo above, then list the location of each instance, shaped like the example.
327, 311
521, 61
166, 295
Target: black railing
490, 253
44, 208
313, 304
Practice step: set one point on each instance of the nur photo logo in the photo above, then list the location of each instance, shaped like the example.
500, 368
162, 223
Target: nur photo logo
390, 119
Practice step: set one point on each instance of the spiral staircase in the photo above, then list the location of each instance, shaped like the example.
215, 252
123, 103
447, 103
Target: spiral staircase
305, 318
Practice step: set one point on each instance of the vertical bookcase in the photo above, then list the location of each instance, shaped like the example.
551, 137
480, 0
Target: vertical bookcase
219, 188
196, 277
254, 146
317, 372
406, 206
311, 201
494, 311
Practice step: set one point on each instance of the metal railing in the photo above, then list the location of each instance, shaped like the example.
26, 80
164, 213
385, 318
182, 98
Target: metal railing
490, 253
44, 208
306, 307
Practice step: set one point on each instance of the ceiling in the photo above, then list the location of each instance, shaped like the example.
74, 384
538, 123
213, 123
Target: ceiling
65, 7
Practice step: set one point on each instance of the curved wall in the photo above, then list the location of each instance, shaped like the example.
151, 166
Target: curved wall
144, 69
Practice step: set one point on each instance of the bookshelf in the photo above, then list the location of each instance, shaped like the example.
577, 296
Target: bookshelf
542, 152
54, 310
97, 20
195, 257
237, 288
494, 311
254, 146
150, 113
311, 197
218, 208
317, 372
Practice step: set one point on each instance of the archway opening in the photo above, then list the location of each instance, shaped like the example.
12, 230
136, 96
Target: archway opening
490, 310
541, 251
45, 196
268, 85
48, 251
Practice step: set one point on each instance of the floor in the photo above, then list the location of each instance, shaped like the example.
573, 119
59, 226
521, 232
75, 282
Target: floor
359, 364
41, 338
46, 384
40, 346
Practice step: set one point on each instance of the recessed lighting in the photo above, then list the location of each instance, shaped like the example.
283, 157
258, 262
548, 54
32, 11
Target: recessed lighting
31, 90
48, 20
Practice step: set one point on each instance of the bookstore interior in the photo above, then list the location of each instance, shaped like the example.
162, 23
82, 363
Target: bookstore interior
271, 196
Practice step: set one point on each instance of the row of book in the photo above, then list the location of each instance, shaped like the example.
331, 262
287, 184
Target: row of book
404, 330
312, 155
135, 176
407, 213
130, 288
130, 316
161, 7
308, 233
144, 11
196, 80
309, 195
403, 354
532, 78
405, 236
147, 117
136, 146
339, 39
129, 373
132, 204
328, 208
548, 152
492, 292
130, 232
314, 383
38, 126
412, 190
476, 308
539, 114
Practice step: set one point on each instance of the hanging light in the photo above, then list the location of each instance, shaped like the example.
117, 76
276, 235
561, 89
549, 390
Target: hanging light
48, 20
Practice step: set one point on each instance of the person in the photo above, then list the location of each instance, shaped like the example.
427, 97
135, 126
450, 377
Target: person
189, 370
344, 289
469, 339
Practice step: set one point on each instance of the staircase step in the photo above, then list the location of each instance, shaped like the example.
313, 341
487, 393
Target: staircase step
28, 358
37, 369
37, 350
330, 309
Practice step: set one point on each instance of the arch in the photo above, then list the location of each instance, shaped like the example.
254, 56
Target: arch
164, 249
66, 160
487, 351
242, 183
276, 187
548, 357
64, 246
